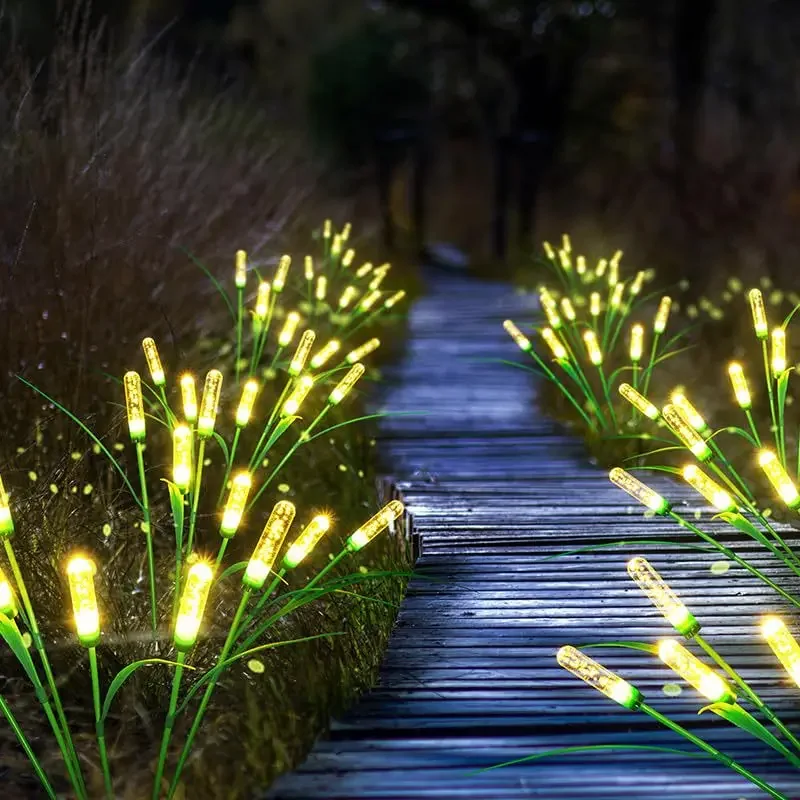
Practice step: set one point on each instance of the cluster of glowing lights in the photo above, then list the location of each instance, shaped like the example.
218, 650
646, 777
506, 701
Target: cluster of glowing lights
134, 404
266, 551
779, 478
598, 677
192, 605
638, 490
662, 597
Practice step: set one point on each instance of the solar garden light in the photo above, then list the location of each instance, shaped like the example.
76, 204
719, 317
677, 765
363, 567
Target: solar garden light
233, 511
520, 339
639, 401
189, 397
364, 350
244, 411
281, 273
659, 326
240, 281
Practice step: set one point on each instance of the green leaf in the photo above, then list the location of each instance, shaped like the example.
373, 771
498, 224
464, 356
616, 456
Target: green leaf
176, 503
239, 566
643, 646
223, 446
223, 294
736, 715
783, 386
741, 523
627, 543
12, 637
124, 674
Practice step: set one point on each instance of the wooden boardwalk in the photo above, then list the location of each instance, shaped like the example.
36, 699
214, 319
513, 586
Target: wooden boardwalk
470, 678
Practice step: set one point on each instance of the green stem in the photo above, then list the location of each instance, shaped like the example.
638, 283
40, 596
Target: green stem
171, 418
768, 378
749, 693
21, 738
148, 534
229, 466
198, 717
168, 724
67, 746
178, 522
265, 596
223, 546
99, 725
198, 479
713, 752
607, 394
752, 424
239, 317
648, 372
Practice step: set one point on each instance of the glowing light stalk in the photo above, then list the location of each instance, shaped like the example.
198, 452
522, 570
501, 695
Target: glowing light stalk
593, 347
80, 575
662, 597
364, 350
153, 361
209, 402
246, 402
298, 394
189, 397
6, 520
779, 478
598, 677
520, 339
759, 313
308, 539
289, 329
345, 385
638, 490
134, 404
374, 525
695, 672
269, 545
710, 489
637, 342
739, 383
684, 431
192, 605
301, 354
639, 401
240, 275
182, 457
778, 351
554, 343
783, 644
662, 315
321, 357
234, 508
281, 273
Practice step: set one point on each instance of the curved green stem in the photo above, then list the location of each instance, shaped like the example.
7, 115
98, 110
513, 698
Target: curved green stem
229, 465
201, 453
648, 371
148, 534
773, 418
99, 725
169, 724
239, 317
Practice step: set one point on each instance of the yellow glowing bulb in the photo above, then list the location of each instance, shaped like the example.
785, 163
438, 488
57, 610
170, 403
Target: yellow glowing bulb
342, 389
694, 417
80, 574
301, 354
246, 402
739, 383
346, 231
550, 309
374, 525
778, 351
662, 597
298, 394
638, 490
321, 357
567, 309
394, 299
616, 258
8, 603
182, 457
521, 340
262, 301
321, 289
593, 347
639, 401
616, 296
281, 273
380, 274
548, 250
638, 281
709, 488
565, 260
759, 313
783, 644
695, 672
566, 243
336, 245
554, 343
6, 521
347, 297
364, 270
598, 677
240, 278
779, 478
365, 349
192, 604
662, 315
234, 508
594, 304
347, 258
580, 267
308, 268
326, 229
689, 437
637, 342
289, 329
269, 545
369, 300
189, 397
153, 361
134, 404
209, 403
307, 540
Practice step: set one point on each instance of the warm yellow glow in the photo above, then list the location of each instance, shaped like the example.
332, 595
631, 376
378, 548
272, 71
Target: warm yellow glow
153, 361
269, 545
709, 488
308, 268
739, 383
336, 246
342, 389
688, 436
779, 478
566, 243
548, 250
301, 354
521, 340
234, 508
189, 397
364, 270
8, 603
598, 677
182, 457
321, 289
326, 229
616, 258
240, 278
783, 644
324, 355
374, 525
662, 315
778, 351
347, 258
554, 343
616, 296
759, 313
246, 402
550, 309
594, 304
209, 403
602, 266
299, 393
6, 521
348, 295
192, 604
638, 490
394, 299
567, 309
307, 540
637, 342
638, 281
694, 417
593, 347
639, 401
580, 265
80, 574
347, 227
380, 274
695, 672
134, 404
281, 273
364, 350
662, 597
262, 301
289, 329
369, 300
565, 260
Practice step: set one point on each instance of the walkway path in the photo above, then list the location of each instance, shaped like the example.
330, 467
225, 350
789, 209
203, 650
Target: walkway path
470, 679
